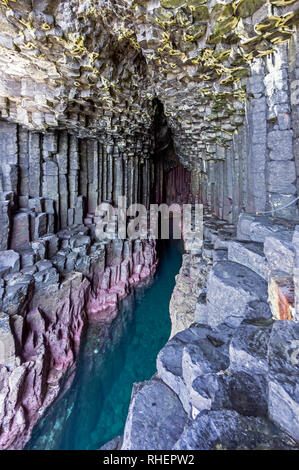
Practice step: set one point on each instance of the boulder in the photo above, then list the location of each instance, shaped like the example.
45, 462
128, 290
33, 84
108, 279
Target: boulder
194, 352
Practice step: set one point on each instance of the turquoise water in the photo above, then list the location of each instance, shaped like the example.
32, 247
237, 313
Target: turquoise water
112, 358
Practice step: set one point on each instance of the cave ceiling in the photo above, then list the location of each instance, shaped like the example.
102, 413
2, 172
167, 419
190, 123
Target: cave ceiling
96, 66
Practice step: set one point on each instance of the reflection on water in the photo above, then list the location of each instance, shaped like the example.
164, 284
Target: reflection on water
112, 357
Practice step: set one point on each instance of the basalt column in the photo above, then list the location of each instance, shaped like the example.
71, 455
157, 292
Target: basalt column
55, 274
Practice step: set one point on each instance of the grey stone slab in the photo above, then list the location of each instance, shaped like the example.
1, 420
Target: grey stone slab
230, 288
34, 165
249, 349
40, 226
257, 227
20, 232
156, 418
281, 177
249, 254
7, 342
225, 429
280, 143
5, 224
10, 259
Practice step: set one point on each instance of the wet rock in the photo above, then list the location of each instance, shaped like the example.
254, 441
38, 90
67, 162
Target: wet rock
114, 444
156, 418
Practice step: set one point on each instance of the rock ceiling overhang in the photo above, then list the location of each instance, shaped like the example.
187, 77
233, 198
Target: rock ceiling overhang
94, 66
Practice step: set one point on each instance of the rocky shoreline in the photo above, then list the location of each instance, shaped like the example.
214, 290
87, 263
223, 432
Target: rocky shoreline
40, 339
228, 379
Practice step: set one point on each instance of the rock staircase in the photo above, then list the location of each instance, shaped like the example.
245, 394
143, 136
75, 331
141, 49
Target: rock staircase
236, 369
260, 262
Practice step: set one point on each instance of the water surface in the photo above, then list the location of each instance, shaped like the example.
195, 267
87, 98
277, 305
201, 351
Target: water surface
112, 358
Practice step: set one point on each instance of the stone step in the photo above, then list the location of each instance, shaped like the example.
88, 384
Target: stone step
231, 288
249, 254
257, 227
197, 351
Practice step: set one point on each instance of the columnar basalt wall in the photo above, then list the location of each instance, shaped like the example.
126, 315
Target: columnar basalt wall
55, 274
41, 322
97, 67
54, 180
259, 171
